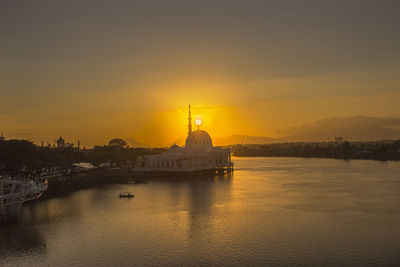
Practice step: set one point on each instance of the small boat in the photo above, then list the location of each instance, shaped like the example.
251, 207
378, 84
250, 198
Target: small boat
126, 195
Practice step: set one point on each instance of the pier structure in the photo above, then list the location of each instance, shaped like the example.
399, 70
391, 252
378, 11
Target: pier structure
13, 193
187, 173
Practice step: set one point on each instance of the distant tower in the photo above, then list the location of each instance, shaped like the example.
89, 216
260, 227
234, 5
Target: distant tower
2, 137
190, 122
60, 142
79, 145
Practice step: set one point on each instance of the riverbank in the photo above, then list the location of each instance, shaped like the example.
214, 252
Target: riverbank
59, 186
68, 184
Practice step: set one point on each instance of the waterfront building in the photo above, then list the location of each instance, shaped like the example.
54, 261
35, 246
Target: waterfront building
339, 139
69, 144
2, 138
198, 154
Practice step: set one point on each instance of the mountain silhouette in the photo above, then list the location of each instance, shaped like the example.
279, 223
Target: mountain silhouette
357, 128
243, 139
351, 128
134, 143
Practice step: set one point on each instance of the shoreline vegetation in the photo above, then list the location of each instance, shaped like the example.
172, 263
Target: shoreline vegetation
372, 150
23, 159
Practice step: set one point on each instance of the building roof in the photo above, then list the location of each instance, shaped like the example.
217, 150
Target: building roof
174, 146
198, 140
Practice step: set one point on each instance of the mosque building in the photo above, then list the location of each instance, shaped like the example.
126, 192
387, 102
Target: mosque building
60, 142
198, 154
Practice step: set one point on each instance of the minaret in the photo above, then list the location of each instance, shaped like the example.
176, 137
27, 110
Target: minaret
190, 122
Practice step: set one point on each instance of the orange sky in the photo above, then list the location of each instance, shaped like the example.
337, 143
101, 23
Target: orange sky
95, 70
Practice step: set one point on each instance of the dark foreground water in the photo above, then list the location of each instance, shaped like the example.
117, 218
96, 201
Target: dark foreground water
276, 211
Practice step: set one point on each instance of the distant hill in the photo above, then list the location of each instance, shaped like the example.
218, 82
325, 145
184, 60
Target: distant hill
357, 128
180, 141
243, 139
134, 143
351, 128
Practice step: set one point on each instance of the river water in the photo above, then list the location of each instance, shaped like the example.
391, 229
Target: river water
271, 211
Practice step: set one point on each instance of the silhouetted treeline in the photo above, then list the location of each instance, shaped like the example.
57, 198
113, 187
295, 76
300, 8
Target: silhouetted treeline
379, 150
22, 156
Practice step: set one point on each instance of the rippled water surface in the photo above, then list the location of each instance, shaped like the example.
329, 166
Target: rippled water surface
270, 211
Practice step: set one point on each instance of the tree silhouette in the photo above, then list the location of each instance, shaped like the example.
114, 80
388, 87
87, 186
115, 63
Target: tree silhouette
117, 142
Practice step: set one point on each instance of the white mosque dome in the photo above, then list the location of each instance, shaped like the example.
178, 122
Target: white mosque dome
175, 146
198, 140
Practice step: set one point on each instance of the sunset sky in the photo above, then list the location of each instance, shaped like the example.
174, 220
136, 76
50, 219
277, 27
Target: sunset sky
94, 70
